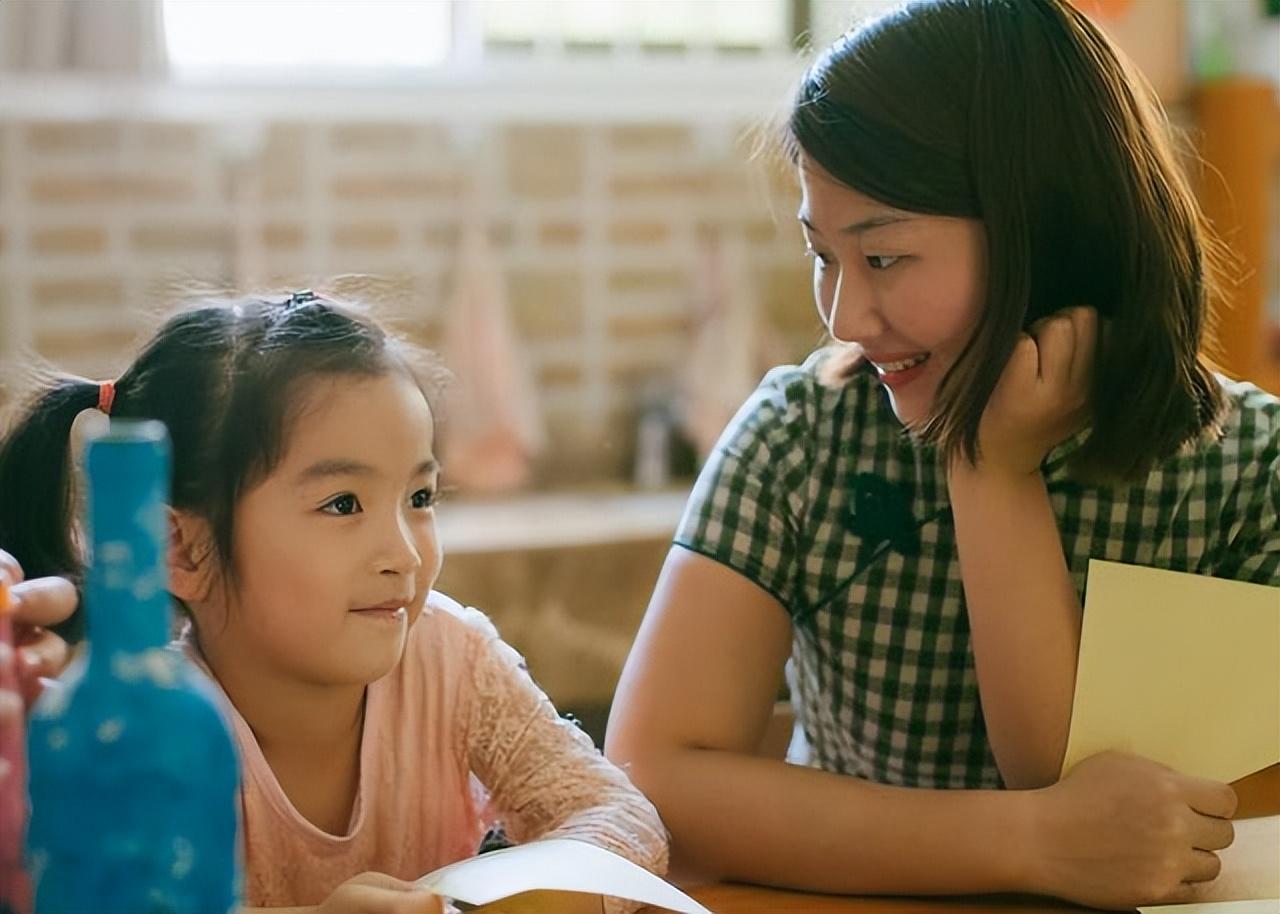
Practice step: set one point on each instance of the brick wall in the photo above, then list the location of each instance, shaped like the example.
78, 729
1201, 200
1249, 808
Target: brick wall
597, 229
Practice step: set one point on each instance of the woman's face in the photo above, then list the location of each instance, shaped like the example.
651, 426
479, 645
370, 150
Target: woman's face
907, 289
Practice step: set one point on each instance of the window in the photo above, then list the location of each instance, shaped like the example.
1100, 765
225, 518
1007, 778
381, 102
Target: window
337, 38
309, 35
758, 25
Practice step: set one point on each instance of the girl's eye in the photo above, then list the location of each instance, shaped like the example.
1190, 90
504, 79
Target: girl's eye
424, 498
882, 261
342, 505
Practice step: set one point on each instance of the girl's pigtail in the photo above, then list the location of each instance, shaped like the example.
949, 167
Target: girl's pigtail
36, 492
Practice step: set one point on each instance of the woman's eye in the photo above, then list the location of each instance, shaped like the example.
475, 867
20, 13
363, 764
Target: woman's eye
823, 260
423, 498
882, 261
342, 505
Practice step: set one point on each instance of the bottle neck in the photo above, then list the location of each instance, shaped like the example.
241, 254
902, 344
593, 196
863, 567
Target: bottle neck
127, 582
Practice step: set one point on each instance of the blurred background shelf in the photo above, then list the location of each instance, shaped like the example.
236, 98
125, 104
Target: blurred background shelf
557, 520
566, 578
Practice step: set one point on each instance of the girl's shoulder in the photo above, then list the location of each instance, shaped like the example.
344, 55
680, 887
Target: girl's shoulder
450, 625
446, 646
462, 633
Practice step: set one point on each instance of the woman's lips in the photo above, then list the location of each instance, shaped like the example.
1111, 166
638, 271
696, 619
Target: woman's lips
896, 370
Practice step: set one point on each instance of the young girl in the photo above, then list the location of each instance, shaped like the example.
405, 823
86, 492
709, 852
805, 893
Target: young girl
1017, 279
373, 715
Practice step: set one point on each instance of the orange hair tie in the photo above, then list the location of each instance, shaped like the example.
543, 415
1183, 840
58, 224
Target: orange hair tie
106, 396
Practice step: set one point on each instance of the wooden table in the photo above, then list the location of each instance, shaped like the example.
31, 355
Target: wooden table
745, 899
1259, 795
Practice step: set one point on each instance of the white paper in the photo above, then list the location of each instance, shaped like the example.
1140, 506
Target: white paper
555, 864
1258, 906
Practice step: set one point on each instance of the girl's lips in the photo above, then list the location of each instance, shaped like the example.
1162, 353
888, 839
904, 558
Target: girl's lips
397, 603
382, 612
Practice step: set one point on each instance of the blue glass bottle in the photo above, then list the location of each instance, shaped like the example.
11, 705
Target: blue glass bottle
132, 770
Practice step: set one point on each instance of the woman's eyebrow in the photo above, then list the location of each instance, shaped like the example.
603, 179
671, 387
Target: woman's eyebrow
859, 227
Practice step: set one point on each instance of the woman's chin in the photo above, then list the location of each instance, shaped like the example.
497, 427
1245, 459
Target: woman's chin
909, 412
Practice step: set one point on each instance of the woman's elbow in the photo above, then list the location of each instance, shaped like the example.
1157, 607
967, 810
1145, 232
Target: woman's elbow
645, 761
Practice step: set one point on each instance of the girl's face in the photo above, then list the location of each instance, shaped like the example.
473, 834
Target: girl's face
908, 289
336, 550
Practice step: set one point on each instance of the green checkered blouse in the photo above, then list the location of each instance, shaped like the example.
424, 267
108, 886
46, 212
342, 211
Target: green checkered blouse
882, 671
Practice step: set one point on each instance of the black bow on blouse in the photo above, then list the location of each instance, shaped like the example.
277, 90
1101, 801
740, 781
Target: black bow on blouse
879, 513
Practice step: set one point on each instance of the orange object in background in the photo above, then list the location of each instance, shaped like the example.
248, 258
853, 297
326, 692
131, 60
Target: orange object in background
1239, 126
1152, 35
1103, 9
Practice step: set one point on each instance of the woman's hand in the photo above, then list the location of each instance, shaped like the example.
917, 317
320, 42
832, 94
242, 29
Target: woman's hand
378, 893
40, 654
1121, 831
1042, 396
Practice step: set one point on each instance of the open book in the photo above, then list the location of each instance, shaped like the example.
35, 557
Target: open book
554, 864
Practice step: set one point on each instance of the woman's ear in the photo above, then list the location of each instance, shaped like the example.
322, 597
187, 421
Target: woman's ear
191, 556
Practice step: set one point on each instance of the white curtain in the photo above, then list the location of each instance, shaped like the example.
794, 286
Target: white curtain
116, 36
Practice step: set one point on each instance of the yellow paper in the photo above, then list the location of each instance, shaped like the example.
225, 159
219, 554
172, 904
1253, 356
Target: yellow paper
1180, 668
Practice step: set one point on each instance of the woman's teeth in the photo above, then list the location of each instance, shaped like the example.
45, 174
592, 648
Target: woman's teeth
901, 364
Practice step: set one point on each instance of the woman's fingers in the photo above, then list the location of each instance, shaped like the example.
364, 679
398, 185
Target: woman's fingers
1204, 867
1213, 834
1209, 797
1085, 321
1055, 338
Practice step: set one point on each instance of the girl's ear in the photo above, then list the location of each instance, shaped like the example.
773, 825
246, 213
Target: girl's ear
191, 557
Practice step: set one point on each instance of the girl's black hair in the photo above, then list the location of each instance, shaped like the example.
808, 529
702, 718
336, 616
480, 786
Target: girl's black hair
224, 378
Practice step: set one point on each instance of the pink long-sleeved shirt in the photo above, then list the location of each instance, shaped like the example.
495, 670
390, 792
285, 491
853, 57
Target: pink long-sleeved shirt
455, 735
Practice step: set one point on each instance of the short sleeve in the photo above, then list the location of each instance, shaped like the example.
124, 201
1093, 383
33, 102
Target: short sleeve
1252, 550
747, 506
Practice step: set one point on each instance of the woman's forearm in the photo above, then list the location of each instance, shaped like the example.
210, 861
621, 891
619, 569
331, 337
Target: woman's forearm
764, 821
1024, 618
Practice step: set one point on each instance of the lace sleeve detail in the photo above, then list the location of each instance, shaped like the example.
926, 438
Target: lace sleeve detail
544, 775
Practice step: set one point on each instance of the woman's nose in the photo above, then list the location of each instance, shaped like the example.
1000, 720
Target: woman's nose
854, 316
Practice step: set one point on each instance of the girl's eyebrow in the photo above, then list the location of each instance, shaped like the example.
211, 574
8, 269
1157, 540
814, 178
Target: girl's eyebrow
323, 469
859, 227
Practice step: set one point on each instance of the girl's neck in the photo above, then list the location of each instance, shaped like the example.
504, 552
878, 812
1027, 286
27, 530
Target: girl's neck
310, 735
285, 715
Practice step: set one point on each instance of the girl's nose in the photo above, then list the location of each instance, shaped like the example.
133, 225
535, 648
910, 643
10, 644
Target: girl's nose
400, 555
